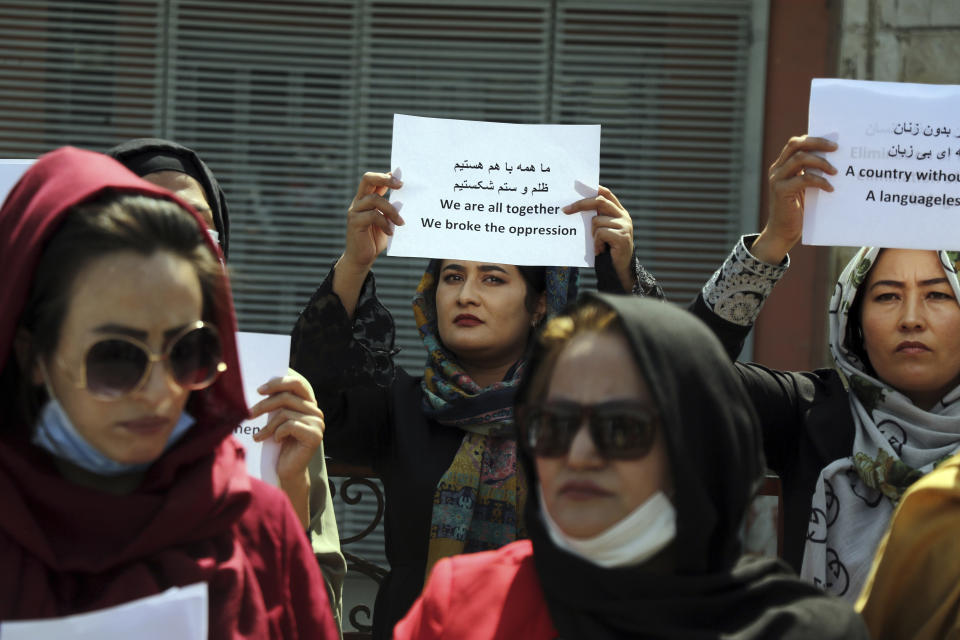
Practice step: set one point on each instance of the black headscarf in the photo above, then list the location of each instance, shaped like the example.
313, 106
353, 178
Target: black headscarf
699, 586
150, 155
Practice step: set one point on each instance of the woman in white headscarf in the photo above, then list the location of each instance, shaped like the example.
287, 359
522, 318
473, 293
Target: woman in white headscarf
846, 442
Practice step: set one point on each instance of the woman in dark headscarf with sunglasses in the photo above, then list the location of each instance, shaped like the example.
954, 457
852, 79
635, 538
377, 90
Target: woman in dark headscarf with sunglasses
644, 453
179, 170
119, 392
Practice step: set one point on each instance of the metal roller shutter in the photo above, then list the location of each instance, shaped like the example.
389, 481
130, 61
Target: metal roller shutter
79, 73
290, 101
678, 87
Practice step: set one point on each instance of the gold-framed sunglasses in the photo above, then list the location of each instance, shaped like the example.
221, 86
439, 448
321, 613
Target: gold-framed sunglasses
116, 365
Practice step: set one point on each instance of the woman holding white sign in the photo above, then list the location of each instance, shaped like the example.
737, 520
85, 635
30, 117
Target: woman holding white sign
119, 392
442, 442
847, 442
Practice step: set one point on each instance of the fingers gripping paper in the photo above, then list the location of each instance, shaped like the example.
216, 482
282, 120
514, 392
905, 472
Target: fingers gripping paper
262, 356
493, 192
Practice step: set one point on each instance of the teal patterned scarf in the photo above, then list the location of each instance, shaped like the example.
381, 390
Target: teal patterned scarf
479, 499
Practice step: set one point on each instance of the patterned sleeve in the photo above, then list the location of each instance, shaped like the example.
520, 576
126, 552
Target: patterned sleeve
737, 290
350, 366
644, 284
332, 351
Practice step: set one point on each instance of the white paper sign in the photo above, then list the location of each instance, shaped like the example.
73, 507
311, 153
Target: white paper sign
493, 192
262, 356
898, 163
178, 612
10, 172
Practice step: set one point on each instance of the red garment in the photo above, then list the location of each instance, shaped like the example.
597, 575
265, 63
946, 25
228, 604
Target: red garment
197, 516
492, 595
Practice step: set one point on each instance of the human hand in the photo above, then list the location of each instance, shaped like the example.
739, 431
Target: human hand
789, 177
611, 227
296, 423
370, 220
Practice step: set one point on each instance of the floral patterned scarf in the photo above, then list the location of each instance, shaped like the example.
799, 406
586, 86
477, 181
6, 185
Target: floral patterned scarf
479, 499
895, 443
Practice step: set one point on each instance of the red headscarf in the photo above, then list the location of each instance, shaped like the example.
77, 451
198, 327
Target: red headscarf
196, 517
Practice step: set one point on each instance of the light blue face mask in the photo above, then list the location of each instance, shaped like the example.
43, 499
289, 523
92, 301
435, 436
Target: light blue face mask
55, 433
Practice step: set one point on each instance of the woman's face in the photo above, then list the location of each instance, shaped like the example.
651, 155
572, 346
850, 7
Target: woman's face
187, 188
911, 325
584, 492
481, 314
149, 298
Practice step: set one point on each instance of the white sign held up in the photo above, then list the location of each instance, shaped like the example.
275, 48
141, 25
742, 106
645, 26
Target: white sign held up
898, 164
493, 192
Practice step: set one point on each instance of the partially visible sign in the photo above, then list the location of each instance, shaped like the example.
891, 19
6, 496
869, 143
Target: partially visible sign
262, 356
10, 172
178, 612
898, 163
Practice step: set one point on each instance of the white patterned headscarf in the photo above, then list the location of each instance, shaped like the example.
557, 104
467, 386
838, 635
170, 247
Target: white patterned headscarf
895, 443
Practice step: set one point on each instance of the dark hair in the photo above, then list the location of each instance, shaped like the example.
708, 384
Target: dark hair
536, 280
853, 336
112, 223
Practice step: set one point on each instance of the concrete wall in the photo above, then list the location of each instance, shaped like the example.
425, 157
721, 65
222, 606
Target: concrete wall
791, 331
900, 41
897, 41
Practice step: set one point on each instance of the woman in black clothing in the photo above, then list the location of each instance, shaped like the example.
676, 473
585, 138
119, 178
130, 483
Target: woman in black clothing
442, 442
848, 441
181, 171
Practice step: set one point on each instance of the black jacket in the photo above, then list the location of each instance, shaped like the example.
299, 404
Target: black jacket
806, 422
373, 414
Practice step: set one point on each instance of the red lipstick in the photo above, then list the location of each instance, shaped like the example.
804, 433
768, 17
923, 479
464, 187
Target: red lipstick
467, 320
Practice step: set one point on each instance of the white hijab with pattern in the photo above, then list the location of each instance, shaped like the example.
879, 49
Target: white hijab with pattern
895, 443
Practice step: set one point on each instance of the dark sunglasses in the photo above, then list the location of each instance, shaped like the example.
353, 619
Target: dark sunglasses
620, 430
117, 365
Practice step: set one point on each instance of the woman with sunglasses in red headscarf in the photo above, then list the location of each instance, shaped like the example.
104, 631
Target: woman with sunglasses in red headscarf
119, 389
